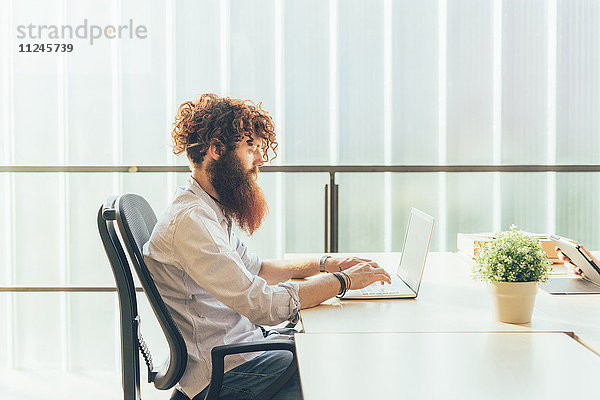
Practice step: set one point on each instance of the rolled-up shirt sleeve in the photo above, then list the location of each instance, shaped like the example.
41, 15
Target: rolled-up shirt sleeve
205, 254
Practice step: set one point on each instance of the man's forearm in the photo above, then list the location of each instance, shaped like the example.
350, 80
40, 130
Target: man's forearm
275, 271
314, 291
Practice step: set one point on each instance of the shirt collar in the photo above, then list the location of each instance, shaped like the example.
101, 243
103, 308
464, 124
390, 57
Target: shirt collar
195, 188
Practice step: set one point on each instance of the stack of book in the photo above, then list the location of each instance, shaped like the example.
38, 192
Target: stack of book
467, 244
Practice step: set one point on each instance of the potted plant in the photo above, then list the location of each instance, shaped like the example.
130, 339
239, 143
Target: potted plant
513, 264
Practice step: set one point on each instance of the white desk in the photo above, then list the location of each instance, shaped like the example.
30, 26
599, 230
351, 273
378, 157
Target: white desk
446, 366
450, 301
447, 344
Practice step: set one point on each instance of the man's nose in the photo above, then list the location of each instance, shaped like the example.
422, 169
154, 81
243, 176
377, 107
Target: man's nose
258, 158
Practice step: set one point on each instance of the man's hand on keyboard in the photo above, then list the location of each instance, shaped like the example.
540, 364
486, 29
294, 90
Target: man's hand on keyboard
365, 273
336, 264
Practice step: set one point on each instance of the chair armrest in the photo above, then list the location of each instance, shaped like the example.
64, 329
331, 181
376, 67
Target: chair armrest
218, 354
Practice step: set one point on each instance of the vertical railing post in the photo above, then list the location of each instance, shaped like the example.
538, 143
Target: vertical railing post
331, 215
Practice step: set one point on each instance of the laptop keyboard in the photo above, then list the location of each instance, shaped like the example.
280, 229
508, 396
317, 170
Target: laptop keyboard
376, 288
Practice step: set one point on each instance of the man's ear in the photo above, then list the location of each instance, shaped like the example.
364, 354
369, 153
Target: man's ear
215, 149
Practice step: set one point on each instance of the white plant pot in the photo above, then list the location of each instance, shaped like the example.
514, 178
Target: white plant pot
514, 301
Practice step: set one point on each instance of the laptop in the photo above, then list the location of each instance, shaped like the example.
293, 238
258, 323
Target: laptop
407, 279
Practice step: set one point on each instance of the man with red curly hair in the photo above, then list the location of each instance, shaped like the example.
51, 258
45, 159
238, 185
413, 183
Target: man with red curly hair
217, 291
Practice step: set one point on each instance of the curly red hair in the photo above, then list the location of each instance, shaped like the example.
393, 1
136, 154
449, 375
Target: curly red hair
198, 123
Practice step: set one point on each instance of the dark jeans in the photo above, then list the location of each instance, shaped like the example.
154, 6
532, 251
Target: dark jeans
250, 378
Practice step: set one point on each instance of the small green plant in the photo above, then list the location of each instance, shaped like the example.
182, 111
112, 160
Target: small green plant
514, 256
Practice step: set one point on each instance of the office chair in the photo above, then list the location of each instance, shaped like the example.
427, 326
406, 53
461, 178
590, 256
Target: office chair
134, 218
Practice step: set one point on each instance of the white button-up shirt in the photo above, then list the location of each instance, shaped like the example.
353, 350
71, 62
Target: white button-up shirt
209, 281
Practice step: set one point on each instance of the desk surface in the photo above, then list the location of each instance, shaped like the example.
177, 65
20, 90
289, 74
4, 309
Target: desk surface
445, 366
450, 301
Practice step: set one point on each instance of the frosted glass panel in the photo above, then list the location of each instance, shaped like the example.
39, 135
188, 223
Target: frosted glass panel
578, 82
36, 140
153, 187
5, 229
361, 212
145, 118
304, 200
198, 49
252, 52
360, 84
88, 264
524, 82
525, 202
469, 205
39, 330
577, 119
90, 91
93, 340
35, 91
306, 83
39, 240
6, 328
577, 209
5, 113
415, 82
413, 190
469, 86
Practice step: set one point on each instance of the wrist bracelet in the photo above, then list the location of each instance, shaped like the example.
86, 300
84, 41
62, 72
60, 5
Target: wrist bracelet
349, 281
343, 287
322, 262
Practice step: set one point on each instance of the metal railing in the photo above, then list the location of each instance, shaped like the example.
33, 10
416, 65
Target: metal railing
309, 168
331, 190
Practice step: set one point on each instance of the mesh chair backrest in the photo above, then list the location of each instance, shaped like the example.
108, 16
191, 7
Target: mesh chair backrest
127, 300
136, 220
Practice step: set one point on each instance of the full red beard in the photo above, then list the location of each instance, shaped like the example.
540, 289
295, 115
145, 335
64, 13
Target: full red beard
240, 196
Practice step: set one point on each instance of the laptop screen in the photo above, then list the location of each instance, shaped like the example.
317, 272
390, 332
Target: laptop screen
416, 245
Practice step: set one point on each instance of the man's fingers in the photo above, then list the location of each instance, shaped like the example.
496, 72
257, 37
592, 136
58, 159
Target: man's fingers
562, 256
574, 268
365, 261
383, 273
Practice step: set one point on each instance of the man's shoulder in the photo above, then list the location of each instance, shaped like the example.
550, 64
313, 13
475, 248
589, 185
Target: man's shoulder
186, 205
